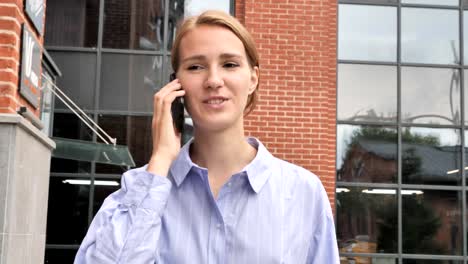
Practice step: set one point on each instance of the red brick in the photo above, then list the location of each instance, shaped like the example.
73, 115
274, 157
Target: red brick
297, 45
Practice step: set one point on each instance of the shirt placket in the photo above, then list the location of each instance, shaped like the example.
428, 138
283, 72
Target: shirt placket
220, 220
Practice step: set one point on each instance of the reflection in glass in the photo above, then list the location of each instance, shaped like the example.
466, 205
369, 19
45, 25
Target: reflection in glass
103, 187
430, 95
432, 223
133, 131
367, 260
78, 78
361, 40
432, 2
46, 102
431, 261
67, 216
195, 7
465, 33
135, 24
366, 154
366, 221
59, 256
465, 85
374, 2
431, 156
129, 82
179, 9
176, 14
429, 40
69, 126
72, 23
367, 92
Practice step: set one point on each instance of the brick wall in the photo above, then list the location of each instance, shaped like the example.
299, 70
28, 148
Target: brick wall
12, 16
296, 116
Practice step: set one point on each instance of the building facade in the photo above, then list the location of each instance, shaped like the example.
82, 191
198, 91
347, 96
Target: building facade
114, 55
367, 94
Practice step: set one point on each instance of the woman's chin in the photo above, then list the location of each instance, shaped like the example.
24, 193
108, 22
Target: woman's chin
218, 124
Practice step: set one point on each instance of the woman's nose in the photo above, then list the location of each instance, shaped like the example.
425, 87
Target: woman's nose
214, 79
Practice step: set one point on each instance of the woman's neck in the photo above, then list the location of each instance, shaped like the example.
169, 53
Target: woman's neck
223, 154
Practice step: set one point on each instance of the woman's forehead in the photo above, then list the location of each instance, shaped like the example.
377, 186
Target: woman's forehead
208, 39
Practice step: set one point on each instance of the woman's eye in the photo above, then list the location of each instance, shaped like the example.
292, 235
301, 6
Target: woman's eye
230, 65
194, 67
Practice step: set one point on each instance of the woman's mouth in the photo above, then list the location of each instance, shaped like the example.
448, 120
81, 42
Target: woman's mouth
215, 100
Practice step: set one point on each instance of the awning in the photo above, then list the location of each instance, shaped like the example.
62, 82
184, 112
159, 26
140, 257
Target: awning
108, 153
92, 152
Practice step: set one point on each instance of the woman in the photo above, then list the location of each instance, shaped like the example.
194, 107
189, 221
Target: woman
221, 198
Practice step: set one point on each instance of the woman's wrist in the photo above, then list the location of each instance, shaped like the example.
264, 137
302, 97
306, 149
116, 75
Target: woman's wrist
159, 165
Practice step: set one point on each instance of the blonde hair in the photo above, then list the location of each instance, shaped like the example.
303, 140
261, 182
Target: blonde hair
221, 19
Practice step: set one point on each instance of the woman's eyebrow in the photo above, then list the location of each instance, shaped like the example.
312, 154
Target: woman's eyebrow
230, 56
194, 57
222, 56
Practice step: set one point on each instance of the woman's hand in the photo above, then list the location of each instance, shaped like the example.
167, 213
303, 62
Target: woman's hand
166, 139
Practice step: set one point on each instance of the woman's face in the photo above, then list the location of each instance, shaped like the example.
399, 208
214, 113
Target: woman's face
216, 76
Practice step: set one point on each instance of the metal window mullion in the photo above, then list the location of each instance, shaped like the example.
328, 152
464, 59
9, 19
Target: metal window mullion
163, 73
233, 7
97, 88
446, 7
398, 185
462, 143
62, 246
70, 49
399, 140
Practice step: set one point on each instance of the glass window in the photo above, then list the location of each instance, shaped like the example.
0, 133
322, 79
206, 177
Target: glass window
178, 9
429, 40
465, 34
176, 13
67, 218
367, 93
366, 154
374, 2
59, 256
72, 23
78, 78
135, 24
133, 131
129, 82
366, 220
369, 260
431, 2
103, 187
432, 222
431, 261
70, 126
196, 7
431, 156
465, 85
46, 102
430, 95
367, 33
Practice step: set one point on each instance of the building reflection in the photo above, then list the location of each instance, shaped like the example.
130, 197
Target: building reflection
367, 218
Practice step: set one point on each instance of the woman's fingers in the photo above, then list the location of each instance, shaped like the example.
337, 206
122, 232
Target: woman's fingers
165, 140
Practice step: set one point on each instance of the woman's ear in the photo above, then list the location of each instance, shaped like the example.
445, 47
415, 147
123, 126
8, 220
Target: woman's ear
254, 79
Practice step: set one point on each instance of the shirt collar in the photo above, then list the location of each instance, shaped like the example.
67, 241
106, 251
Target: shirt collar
258, 170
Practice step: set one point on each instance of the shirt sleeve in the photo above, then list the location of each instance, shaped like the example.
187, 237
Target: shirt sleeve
323, 247
127, 227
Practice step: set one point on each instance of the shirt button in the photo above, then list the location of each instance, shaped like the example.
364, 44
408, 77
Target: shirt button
218, 226
229, 184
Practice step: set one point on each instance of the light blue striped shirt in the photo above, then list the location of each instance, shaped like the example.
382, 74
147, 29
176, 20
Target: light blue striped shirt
270, 212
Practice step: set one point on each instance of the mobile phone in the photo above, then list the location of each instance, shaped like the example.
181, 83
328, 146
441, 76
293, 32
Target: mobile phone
177, 111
